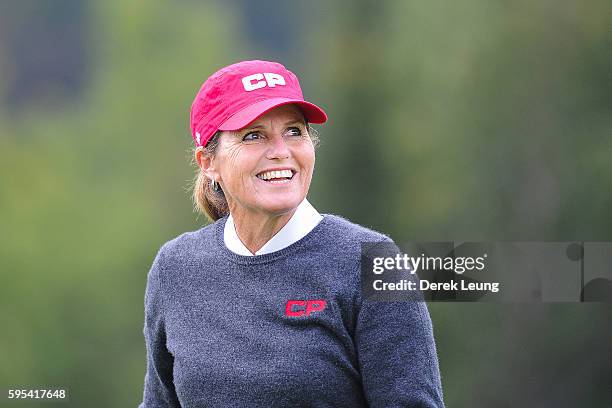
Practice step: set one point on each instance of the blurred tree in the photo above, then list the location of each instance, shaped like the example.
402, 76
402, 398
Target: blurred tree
45, 52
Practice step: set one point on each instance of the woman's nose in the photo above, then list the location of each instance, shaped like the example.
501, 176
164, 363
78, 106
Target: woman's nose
278, 149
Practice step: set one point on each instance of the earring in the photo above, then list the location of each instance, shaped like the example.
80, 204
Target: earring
214, 185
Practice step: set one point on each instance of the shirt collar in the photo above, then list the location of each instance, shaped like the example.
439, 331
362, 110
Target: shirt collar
305, 218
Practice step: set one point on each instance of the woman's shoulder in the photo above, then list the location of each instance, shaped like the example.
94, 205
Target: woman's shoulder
342, 229
190, 242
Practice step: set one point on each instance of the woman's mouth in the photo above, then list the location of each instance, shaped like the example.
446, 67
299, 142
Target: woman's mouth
276, 176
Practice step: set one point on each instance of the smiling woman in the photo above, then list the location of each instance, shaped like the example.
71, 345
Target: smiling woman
264, 172
263, 306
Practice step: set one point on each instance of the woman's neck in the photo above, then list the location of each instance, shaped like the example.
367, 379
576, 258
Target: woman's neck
254, 230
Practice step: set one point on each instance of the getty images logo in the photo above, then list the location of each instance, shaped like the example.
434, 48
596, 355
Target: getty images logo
256, 81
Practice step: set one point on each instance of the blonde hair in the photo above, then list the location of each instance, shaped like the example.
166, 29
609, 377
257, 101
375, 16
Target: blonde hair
212, 202
208, 201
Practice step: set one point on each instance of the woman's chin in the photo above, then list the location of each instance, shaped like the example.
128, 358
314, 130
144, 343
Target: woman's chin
280, 206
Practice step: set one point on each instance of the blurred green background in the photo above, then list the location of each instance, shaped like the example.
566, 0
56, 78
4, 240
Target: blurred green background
474, 120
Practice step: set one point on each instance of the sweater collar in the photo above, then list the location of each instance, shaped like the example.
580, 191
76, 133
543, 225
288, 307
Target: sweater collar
305, 218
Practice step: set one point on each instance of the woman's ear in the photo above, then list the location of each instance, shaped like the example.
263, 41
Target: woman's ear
206, 162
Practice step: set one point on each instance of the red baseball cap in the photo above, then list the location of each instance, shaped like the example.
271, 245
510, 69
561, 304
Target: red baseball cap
236, 95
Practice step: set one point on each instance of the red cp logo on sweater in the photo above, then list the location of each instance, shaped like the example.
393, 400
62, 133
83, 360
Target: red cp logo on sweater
296, 308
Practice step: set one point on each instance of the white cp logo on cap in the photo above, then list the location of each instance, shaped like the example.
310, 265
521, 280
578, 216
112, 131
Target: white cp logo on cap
271, 80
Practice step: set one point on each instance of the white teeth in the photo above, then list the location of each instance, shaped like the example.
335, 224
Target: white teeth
275, 174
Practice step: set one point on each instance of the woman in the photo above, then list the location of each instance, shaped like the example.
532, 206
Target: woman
263, 308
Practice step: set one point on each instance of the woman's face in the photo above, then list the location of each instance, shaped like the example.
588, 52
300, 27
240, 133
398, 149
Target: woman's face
267, 166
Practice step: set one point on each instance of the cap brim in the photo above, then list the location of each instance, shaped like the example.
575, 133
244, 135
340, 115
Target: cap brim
242, 118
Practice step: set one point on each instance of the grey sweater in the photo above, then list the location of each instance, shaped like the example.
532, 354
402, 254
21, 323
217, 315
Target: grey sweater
285, 329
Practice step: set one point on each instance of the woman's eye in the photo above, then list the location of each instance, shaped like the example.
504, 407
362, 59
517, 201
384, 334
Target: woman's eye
294, 131
251, 136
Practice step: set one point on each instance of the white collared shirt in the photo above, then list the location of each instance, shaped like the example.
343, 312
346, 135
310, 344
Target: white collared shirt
305, 218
